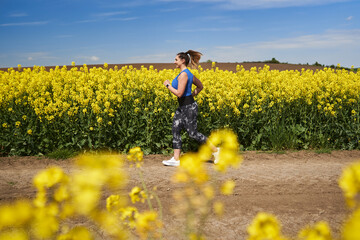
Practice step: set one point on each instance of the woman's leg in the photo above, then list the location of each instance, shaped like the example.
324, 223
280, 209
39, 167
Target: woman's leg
177, 153
190, 122
178, 124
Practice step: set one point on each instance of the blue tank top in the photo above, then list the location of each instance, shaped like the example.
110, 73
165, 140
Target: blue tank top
175, 82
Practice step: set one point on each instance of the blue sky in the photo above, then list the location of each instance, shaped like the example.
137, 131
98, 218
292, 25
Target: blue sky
57, 32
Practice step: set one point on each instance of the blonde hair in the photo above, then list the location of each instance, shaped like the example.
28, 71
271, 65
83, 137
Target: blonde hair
191, 56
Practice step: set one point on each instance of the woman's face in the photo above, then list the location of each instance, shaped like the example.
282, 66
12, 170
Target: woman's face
178, 61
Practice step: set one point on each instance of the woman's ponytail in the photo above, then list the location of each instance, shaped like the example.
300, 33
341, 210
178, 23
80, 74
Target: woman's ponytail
192, 57
195, 58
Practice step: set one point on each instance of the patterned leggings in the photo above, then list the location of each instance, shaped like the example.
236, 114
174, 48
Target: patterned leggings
186, 117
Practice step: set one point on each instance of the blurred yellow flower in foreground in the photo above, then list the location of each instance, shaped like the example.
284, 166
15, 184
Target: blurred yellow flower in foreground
136, 156
137, 195
228, 187
264, 226
349, 183
351, 227
320, 231
147, 223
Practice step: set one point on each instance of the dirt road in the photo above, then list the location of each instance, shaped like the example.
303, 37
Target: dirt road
300, 188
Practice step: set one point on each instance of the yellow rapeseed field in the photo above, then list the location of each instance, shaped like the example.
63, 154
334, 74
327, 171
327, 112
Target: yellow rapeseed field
101, 108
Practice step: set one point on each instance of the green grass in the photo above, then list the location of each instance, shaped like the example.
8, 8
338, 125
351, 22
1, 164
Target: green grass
62, 154
323, 150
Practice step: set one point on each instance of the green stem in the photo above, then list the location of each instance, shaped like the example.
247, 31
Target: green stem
145, 189
159, 204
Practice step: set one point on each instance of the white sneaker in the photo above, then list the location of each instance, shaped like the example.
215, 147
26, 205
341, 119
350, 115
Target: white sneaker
172, 162
216, 155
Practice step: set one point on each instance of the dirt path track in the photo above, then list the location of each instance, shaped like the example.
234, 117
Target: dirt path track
300, 188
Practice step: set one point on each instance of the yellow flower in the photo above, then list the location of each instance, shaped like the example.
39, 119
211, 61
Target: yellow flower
135, 155
351, 227
49, 177
114, 203
45, 223
91, 129
218, 208
4, 125
17, 124
228, 187
29, 131
14, 234
16, 214
208, 192
320, 231
192, 168
76, 233
194, 236
137, 195
264, 226
147, 224
62, 193
86, 190
228, 156
129, 215
349, 183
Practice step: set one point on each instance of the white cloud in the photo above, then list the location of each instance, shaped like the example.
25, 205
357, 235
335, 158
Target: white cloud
260, 4
123, 19
349, 18
23, 24
87, 21
94, 58
228, 29
37, 56
224, 47
19, 14
329, 39
171, 10
109, 14
89, 58
329, 47
151, 58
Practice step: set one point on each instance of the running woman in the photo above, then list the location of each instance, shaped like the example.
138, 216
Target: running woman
186, 114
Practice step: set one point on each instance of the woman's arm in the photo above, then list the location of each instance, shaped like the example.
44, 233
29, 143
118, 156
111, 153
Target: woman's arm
198, 85
182, 80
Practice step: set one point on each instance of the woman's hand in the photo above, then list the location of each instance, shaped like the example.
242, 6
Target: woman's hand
166, 83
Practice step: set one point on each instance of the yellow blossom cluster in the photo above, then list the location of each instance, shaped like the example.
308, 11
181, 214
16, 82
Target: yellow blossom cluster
350, 184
